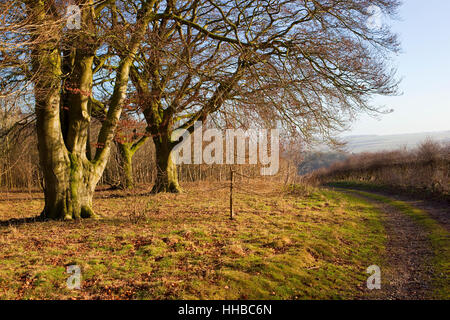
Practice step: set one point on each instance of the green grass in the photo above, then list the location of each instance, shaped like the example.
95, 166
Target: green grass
289, 244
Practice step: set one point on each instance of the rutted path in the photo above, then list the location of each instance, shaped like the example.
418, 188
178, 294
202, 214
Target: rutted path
438, 211
408, 271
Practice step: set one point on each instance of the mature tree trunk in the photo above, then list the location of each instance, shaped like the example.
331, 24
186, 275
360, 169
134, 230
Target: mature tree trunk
70, 177
166, 176
69, 189
126, 163
126, 151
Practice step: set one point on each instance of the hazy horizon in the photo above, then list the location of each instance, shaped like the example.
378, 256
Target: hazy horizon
351, 134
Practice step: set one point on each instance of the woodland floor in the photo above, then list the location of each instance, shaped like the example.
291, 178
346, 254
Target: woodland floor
284, 243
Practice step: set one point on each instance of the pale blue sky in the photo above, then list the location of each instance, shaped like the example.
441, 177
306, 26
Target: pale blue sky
424, 66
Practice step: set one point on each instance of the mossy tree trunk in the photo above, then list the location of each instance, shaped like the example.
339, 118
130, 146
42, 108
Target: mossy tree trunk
126, 163
166, 174
126, 152
63, 113
70, 178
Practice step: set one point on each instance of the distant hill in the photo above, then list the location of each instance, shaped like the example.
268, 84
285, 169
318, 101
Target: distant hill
322, 157
317, 160
373, 143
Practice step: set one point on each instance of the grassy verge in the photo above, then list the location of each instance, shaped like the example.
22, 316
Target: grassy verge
283, 244
439, 237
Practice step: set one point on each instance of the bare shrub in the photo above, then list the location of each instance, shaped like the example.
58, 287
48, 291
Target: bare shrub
429, 150
139, 210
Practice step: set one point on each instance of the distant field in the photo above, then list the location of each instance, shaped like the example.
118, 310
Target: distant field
374, 143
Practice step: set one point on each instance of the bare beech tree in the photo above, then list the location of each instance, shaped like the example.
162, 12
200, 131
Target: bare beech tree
181, 77
63, 62
131, 135
313, 65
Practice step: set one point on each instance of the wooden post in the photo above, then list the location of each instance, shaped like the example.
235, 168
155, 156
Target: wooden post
231, 193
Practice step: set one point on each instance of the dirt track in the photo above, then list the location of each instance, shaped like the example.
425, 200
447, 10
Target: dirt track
438, 211
408, 271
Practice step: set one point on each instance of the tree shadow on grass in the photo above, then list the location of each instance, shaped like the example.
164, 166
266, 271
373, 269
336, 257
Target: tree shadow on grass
21, 199
21, 221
